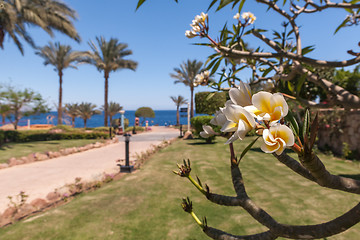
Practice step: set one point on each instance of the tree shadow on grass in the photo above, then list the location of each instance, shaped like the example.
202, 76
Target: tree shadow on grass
200, 143
353, 176
257, 149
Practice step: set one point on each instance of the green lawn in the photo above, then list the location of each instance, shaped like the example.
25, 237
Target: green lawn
146, 204
23, 149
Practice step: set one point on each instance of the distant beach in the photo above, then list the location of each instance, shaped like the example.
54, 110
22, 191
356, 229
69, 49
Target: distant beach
162, 118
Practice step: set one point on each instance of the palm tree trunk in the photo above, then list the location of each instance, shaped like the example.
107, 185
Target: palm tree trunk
3, 119
177, 116
192, 103
60, 99
85, 122
106, 75
73, 122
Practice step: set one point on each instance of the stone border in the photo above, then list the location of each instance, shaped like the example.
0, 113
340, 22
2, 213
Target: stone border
34, 157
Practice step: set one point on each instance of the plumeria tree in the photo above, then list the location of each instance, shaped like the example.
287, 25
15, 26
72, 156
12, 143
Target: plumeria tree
280, 59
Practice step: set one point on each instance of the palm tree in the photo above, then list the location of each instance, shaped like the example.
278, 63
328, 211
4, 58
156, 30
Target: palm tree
179, 100
17, 15
72, 110
186, 74
86, 111
61, 57
113, 109
109, 57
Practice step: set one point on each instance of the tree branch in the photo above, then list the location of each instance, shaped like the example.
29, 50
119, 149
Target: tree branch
218, 234
232, 53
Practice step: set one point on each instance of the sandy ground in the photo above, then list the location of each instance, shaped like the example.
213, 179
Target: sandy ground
39, 178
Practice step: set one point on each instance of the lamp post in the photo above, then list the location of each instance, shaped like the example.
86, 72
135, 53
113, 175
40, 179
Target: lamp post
122, 112
127, 168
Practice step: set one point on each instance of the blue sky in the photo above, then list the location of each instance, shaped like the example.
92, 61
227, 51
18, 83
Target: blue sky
155, 34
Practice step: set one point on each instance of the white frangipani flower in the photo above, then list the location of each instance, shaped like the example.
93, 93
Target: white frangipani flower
277, 138
208, 132
242, 95
237, 16
269, 107
249, 17
190, 34
219, 119
238, 121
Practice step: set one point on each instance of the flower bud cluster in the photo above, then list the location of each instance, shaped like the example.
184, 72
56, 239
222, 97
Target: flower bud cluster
202, 78
248, 17
198, 26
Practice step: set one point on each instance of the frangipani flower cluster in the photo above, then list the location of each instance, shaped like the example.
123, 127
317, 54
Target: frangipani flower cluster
197, 25
245, 112
247, 16
202, 78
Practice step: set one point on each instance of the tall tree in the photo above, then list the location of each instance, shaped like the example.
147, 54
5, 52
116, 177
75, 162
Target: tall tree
50, 15
186, 74
4, 112
109, 56
72, 110
179, 100
61, 57
86, 111
113, 109
23, 103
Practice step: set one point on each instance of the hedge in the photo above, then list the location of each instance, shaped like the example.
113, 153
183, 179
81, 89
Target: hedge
41, 135
209, 103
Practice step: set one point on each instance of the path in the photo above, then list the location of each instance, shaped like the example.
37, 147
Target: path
39, 178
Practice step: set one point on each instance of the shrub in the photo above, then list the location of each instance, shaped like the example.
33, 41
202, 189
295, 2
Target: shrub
209, 103
137, 129
44, 135
65, 128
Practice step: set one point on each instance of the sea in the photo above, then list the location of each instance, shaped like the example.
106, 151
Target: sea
162, 118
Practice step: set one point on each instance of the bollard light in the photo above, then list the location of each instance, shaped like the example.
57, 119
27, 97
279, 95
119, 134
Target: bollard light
181, 132
127, 168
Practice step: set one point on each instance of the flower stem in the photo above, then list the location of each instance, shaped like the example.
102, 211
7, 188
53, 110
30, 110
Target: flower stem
196, 185
197, 220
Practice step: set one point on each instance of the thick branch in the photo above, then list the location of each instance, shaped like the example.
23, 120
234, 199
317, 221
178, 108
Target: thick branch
324, 178
218, 234
294, 165
343, 97
237, 54
318, 8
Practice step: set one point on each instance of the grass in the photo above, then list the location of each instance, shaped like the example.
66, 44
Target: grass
23, 149
146, 203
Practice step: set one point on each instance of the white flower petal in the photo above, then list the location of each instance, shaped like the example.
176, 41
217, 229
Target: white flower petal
233, 138
208, 129
261, 101
229, 126
204, 134
279, 100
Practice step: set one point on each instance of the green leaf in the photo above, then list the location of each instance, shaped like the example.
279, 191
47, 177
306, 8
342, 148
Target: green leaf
293, 123
266, 72
240, 5
306, 126
216, 66
223, 3
140, 2
313, 131
290, 86
211, 4
307, 49
248, 148
210, 96
343, 24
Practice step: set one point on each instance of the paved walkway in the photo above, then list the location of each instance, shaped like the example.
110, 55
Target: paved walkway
39, 178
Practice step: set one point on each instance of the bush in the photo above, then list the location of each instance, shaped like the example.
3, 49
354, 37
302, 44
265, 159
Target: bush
210, 106
44, 135
137, 129
198, 122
